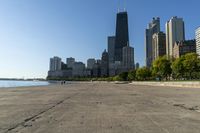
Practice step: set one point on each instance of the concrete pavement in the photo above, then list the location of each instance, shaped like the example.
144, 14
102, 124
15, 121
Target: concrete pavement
99, 108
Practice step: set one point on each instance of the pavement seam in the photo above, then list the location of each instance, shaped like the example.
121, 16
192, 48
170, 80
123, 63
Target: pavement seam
34, 117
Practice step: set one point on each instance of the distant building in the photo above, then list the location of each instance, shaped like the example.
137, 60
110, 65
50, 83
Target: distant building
104, 64
78, 69
175, 31
90, 63
111, 55
111, 49
128, 58
70, 62
58, 68
55, 64
122, 34
112, 69
64, 66
184, 47
119, 67
137, 66
60, 73
96, 71
153, 27
158, 45
197, 34
67, 73
88, 73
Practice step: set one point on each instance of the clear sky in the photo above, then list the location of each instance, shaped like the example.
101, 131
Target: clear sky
32, 31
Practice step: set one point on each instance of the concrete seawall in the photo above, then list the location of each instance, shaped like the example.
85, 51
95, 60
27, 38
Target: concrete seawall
193, 84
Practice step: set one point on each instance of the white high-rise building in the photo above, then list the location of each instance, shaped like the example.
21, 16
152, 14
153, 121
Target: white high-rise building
158, 45
55, 64
175, 31
197, 34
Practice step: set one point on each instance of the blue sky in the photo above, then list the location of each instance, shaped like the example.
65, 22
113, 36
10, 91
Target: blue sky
32, 31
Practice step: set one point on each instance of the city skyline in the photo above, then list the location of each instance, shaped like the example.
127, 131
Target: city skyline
117, 58
26, 53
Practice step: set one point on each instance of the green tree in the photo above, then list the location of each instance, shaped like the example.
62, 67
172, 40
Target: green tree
143, 73
124, 76
121, 77
178, 69
117, 78
198, 69
132, 75
162, 67
191, 64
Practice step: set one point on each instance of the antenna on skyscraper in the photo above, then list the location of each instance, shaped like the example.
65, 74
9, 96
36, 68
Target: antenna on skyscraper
124, 5
127, 43
118, 9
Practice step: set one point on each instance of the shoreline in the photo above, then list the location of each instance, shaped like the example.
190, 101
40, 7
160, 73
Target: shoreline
16, 84
192, 84
17, 87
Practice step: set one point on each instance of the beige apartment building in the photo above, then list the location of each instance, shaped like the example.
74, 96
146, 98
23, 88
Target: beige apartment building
158, 45
175, 31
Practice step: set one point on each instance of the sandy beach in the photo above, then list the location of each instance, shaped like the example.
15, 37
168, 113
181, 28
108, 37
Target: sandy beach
99, 108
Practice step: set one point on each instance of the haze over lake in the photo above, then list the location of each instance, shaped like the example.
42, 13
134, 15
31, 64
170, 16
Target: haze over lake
16, 83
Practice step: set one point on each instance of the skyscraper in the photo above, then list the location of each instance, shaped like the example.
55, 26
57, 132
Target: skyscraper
175, 31
58, 68
111, 49
96, 71
128, 58
122, 34
158, 45
55, 64
104, 64
90, 63
197, 34
153, 27
78, 69
70, 62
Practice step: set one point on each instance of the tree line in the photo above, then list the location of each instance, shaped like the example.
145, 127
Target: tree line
187, 67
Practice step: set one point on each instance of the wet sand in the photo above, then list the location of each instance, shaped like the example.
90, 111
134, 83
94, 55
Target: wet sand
99, 108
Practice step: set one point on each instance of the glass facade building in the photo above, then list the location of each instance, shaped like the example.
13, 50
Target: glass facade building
122, 34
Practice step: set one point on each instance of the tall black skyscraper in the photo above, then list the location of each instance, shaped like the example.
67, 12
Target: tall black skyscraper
122, 34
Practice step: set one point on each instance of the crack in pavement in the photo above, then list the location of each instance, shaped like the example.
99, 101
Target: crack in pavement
183, 106
36, 116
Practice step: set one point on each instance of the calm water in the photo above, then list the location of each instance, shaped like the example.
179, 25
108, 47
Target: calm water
14, 83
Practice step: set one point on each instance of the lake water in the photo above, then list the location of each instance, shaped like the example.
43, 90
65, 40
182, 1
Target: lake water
15, 83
